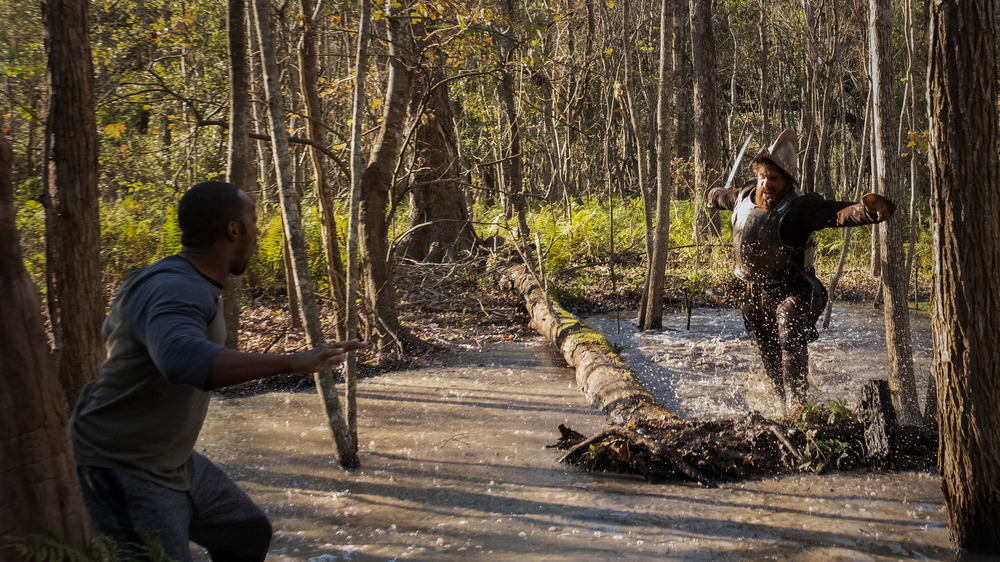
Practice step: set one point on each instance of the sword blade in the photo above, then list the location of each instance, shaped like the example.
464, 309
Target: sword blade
736, 164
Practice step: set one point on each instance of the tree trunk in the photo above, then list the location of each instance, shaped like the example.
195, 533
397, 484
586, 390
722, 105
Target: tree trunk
962, 94
38, 482
439, 226
292, 222
513, 166
240, 170
887, 181
643, 163
765, 48
664, 143
376, 185
72, 225
309, 78
707, 145
682, 101
357, 171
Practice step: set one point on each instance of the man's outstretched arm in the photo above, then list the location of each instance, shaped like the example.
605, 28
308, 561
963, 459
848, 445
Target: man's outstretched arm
234, 367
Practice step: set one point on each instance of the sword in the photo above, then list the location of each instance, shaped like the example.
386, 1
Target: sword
736, 165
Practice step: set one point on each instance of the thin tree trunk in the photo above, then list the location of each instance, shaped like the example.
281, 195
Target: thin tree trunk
707, 145
845, 248
241, 165
683, 102
309, 78
899, 344
292, 222
962, 96
376, 185
357, 170
513, 167
38, 484
642, 161
72, 226
664, 143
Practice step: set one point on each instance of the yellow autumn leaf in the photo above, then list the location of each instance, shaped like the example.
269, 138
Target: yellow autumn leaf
114, 130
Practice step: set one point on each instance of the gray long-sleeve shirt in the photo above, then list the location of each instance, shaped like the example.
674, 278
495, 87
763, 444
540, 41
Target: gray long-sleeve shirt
145, 410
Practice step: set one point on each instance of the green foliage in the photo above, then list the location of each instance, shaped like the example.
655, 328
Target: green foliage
30, 220
833, 413
583, 236
44, 548
819, 453
266, 269
138, 229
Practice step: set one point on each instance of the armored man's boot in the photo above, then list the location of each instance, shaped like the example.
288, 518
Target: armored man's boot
795, 364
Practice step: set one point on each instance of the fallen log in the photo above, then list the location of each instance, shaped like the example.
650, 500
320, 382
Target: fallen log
600, 373
644, 438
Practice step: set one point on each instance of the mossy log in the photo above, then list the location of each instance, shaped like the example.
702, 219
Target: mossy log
600, 373
644, 438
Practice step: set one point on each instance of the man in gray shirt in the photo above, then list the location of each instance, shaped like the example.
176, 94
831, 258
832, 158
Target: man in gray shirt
135, 427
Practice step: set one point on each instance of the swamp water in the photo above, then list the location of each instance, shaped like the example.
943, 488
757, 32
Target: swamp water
713, 370
454, 464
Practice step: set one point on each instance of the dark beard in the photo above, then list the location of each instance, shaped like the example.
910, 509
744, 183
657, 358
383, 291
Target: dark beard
766, 200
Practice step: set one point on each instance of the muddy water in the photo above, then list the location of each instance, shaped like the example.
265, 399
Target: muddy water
455, 466
713, 369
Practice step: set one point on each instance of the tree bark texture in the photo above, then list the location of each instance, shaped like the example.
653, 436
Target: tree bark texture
600, 373
241, 165
72, 227
308, 81
439, 225
707, 143
888, 182
653, 318
513, 160
39, 489
292, 222
682, 97
357, 171
965, 211
377, 183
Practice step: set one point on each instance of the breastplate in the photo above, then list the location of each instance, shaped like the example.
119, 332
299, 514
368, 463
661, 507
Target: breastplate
760, 255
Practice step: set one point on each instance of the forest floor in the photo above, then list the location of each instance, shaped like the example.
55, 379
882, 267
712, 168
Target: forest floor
455, 460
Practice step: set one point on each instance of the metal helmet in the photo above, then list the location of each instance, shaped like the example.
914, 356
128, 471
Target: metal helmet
783, 153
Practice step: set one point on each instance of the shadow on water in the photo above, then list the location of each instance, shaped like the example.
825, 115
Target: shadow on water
455, 465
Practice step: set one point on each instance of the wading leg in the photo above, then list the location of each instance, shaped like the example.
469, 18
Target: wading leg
764, 328
794, 334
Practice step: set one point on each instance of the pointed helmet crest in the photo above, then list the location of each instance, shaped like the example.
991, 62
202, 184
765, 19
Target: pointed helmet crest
783, 153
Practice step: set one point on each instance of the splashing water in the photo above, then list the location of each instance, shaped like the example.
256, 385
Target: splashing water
713, 370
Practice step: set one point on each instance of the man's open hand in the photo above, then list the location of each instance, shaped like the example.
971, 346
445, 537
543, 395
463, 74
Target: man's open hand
325, 357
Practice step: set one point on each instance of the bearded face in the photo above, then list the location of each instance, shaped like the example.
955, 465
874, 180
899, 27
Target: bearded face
772, 187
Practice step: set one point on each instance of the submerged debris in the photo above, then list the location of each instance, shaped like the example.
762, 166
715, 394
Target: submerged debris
712, 452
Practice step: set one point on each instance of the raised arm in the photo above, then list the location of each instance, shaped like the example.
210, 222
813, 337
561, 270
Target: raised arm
811, 213
721, 198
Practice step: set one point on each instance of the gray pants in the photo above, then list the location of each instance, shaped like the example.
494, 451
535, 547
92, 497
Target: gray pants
140, 517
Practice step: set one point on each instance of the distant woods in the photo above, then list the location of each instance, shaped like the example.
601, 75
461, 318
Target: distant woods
508, 106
